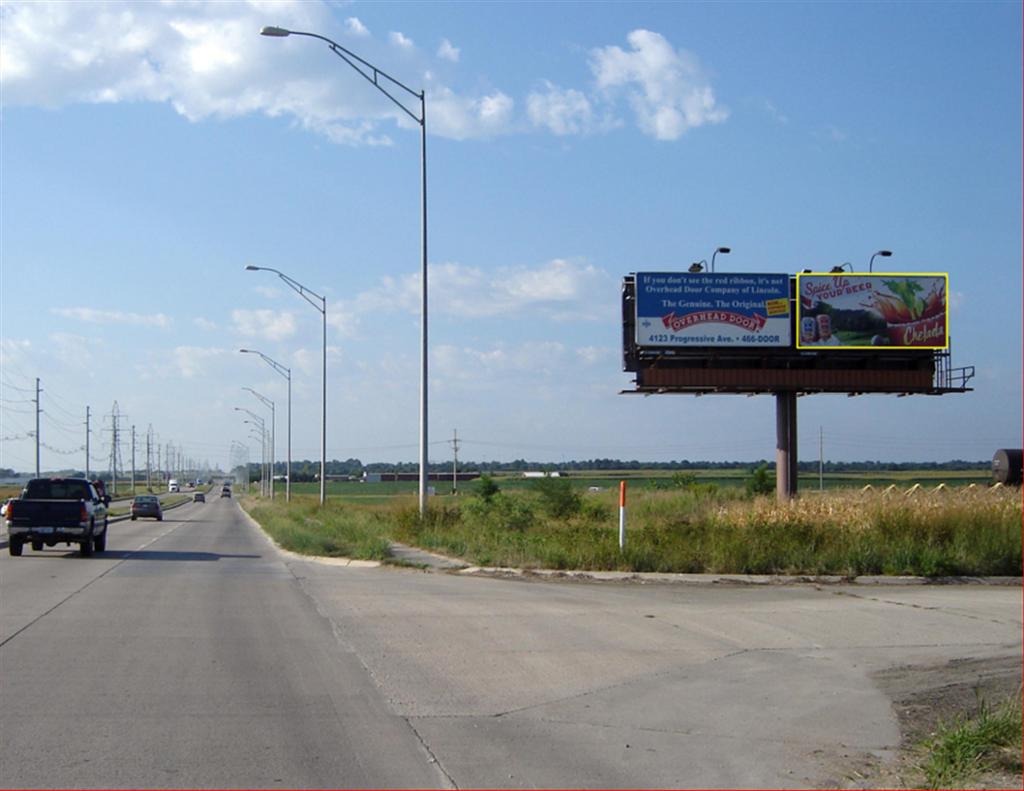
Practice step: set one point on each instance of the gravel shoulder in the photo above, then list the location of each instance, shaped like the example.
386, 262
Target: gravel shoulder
924, 696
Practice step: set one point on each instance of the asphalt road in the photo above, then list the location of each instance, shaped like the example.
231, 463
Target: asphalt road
194, 654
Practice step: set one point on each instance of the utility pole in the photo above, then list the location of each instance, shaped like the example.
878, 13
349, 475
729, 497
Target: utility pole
821, 458
87, 442
38, 391
454, 442
133, 459
149, 470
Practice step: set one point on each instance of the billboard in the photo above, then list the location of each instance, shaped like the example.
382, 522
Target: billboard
872, 311
710, 309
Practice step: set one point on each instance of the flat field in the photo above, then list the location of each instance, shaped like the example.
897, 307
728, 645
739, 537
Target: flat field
674, 525
636, 479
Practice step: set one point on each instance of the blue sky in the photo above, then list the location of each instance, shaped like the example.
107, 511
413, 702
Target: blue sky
150, 152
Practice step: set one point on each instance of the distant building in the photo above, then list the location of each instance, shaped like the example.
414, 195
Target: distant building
382, 477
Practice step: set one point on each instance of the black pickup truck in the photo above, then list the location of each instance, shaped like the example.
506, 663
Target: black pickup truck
58, 510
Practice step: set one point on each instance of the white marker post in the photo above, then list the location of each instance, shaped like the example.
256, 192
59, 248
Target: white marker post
622, 515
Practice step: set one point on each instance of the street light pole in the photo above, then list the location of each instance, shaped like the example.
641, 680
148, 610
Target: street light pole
287, 374
373, 75
723, 251
883, 253
273, 435
263, 434
306, 293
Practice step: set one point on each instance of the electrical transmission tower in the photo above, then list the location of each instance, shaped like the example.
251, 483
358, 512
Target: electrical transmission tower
115, 445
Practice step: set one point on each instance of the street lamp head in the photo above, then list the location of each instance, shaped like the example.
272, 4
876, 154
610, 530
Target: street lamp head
883, 253
696, 267
251, 268
275, 32
724, 250
245, 351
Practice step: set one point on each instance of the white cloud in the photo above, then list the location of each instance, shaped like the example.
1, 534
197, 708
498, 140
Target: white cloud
465, 363
560, 290
774, 112
93, 316
592, 355
204, 59
666, 87
267, 324
205, 324
73, 351
461, 117
191, 360
563, 111
448, 52
399, 40
14, 351
356, 28
208, 60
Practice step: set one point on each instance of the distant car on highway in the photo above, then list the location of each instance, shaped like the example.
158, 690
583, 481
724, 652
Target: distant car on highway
199, 497
147, 505
225, 492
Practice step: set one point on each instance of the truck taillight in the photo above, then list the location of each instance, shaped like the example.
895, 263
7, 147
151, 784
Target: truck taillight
83, 515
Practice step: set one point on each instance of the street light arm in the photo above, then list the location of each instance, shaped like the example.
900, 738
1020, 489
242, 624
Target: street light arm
369, 72
285, 372
300, 289
266, 401
250, 413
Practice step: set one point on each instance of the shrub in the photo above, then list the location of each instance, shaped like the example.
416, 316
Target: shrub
558, 499
486, 488
760, 482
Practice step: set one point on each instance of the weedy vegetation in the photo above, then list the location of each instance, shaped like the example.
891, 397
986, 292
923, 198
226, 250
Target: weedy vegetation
968, 748
679, 525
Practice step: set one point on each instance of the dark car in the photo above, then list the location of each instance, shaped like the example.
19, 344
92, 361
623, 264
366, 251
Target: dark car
225, 492
199, 497
147, 505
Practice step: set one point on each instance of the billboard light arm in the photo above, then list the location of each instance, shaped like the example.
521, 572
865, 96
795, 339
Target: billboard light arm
883, 253
723, 251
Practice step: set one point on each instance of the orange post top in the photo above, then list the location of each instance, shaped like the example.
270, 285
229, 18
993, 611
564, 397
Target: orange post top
622, 494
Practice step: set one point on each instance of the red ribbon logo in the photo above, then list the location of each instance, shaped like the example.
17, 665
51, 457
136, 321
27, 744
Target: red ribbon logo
754, 323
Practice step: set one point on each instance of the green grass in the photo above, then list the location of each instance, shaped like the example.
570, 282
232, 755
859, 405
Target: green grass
702, 528
969, 747
334, 531
638, 480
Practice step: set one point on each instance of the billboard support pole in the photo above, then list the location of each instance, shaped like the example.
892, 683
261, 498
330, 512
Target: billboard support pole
785, 446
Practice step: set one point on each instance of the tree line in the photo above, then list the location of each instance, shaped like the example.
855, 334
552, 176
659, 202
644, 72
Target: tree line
306, 470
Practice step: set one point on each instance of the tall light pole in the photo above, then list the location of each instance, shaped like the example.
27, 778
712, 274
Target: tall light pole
287, 374
273, 434
262, 438
372, 75
723, 251
305, 293
263, 433
883, 253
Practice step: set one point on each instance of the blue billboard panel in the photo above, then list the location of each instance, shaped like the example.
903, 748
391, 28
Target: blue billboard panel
712, 309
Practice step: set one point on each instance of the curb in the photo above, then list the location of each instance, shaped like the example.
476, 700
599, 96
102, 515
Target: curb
729, 579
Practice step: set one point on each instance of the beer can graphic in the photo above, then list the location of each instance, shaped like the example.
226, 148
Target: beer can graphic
824, 326
808, 329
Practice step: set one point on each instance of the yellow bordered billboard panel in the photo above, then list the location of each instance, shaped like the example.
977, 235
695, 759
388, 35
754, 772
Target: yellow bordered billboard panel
877, 310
